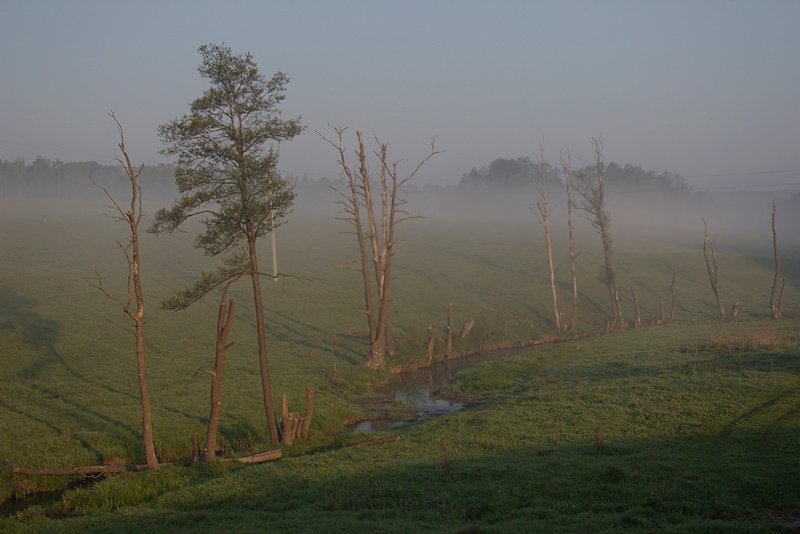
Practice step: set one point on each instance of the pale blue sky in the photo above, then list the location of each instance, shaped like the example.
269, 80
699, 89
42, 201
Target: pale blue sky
698, 88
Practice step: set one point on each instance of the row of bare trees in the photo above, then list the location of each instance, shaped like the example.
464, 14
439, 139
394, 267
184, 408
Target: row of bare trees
712, 268
592, 193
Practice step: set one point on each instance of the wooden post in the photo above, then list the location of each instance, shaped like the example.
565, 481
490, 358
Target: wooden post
195, 449
661, 315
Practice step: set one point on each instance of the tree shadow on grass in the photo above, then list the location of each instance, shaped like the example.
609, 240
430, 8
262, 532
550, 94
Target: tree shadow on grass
41, 335
17, 314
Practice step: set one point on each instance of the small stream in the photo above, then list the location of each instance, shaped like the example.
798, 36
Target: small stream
419, 389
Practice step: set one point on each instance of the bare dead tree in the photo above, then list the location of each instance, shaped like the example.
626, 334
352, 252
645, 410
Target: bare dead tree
224, 326
431, 343
637, 322
775, 306
351, 209
566, 170
713, 272
593, 194
375, 233
541, 214
448, 351
135, 296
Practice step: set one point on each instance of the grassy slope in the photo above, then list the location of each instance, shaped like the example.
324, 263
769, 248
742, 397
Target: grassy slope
69, 392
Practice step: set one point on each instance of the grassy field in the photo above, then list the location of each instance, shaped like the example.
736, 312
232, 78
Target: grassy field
689, 427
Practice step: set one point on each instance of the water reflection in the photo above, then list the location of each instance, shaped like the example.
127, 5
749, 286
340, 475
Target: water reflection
420, 390
376, 425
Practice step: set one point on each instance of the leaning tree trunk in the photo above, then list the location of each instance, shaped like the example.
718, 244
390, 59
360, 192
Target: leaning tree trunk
362, 245
223, 329
713, 273
603, 222
545, 223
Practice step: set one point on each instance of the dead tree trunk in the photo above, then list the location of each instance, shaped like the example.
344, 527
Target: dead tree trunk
674, 295
466, 329
449, 349
713, 273
375, 235
133, 217
309, 412
566, 169
775, 306
541, 207
351, 208
594, 205
431, 343
223, 329
294, 426
637, 323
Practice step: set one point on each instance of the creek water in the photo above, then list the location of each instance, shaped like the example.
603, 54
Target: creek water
420, 389
11, 507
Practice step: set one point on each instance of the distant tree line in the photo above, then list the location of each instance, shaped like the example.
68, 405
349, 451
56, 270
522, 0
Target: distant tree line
45, 178
304, 182
505, 173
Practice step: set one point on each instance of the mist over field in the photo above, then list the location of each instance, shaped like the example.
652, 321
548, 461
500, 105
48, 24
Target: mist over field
208, 356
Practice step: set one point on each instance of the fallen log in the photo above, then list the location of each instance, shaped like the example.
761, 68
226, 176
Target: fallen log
256, 458
111, 469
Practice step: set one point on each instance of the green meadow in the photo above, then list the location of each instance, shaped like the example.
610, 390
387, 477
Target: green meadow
691, 426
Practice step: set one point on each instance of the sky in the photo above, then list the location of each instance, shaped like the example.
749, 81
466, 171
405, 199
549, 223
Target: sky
709, 90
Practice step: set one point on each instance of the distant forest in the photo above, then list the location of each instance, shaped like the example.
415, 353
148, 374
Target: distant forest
44, 178
521, 172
